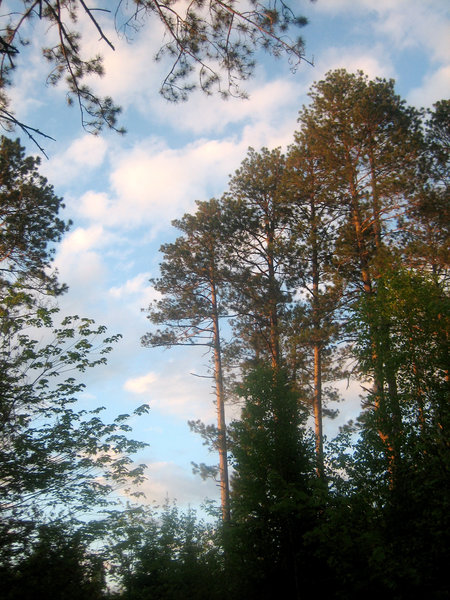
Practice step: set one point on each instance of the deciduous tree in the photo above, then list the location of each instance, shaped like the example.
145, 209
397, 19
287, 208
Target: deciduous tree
54, 459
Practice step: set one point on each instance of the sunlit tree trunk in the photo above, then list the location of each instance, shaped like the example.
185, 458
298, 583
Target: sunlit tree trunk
317, 345
220, 405
191, 283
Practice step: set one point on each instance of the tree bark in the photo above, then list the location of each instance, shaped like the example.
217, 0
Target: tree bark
220, 402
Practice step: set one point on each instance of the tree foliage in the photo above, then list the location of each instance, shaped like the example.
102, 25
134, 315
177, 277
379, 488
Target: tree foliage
29, 225
50, 454
57, 460
258, 254
339, 251
273, 503
58, 565
213, 42
192, 286
426, 221
177, 559
339, 245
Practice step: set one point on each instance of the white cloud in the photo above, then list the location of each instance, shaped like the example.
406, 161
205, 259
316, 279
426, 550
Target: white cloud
130, 299
374, 62
94, 206
173, 390
84, 273
87, 151
153, 184
84, 154
410, 24
131, 75
31, 71
82, 239
131, 286
268, 103
140, 385
406, 23
435, 87
167, 480
80, 262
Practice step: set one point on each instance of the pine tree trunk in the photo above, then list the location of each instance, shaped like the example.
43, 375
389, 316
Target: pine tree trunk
273, 302
390, 423
317, 398
220, 402
317, 403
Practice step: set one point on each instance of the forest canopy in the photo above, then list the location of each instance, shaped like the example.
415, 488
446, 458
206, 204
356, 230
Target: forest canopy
324, 262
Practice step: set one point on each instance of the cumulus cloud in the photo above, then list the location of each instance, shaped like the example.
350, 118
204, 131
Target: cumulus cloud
435, 86
175, 391
94, 206
83, 155
137, 291
267, 103
22, 97
167, 480
406, 23
82, 239
140, 385
372, 61
411, 24
31, 71
131, 74
81, 264
152, 183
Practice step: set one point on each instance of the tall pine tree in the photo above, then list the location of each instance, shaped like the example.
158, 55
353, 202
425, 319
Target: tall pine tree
191, 284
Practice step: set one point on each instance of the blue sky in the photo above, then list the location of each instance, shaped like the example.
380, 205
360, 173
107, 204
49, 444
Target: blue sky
123, 192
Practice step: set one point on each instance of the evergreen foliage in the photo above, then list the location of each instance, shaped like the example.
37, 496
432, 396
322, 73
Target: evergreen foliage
313, 247
272, 498
208, 45
335, 255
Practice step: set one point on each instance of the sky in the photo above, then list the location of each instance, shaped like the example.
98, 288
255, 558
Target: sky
122, 192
